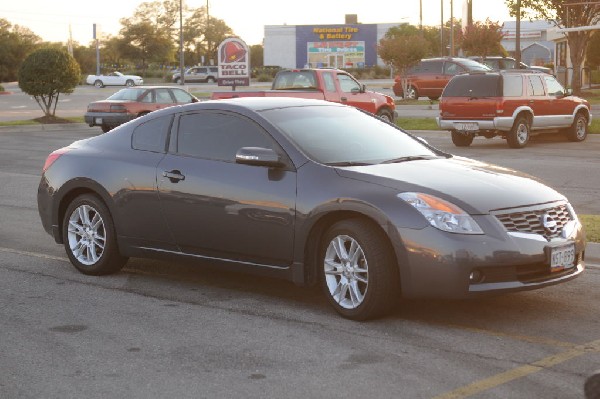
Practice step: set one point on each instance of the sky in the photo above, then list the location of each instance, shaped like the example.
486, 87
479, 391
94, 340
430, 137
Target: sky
51, 20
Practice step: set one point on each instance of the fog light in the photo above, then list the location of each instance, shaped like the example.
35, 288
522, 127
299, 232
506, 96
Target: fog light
476, 276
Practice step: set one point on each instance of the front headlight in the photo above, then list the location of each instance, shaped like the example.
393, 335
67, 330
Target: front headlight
442, 214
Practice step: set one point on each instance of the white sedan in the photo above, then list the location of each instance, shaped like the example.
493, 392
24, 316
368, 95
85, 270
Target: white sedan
114, 79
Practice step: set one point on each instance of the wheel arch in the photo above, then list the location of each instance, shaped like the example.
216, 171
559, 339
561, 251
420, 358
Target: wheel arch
72, 190
320, 226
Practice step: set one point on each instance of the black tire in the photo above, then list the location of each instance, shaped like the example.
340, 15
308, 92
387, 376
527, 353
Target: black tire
105, 128
591, 387
89, 237
460, 139
434, 98
579, 129
211, 79
411, 94
363, 286
519, 135
386, 115
99, 84
129, 83
176, 80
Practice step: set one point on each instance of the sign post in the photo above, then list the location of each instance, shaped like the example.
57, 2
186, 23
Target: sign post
234, 63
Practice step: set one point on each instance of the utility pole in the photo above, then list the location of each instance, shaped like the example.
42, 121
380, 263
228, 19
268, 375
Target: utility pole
181, 59
451, 28
518, 35
442, 52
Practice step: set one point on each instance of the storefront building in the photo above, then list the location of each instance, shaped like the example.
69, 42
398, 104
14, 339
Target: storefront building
324, 46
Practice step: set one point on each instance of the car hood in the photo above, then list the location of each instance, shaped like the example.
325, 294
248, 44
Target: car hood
475, 186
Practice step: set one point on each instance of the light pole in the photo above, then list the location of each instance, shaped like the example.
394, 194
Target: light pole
181, 60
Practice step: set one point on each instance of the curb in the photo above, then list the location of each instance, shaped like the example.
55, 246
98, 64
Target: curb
43, 127
592, 253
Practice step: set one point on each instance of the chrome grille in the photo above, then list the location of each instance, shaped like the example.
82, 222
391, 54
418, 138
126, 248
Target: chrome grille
530, 220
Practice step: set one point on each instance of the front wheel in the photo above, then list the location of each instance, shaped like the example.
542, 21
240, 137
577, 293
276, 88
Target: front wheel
358, 272
579, 130
461, 139
129, 83
386, 115
411, 93
89, 237
518, 137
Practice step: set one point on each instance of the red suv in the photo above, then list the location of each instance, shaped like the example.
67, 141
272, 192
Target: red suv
511, 104
429, 77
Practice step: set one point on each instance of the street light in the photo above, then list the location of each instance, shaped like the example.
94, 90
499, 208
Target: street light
181, 60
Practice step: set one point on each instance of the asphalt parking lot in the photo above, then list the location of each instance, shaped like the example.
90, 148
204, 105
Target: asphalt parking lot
171, 329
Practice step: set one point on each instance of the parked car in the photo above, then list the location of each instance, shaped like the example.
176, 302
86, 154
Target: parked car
429, 77
498, 63
323, 84
198, 74
310, 191
512, 104
130, 103
114, 79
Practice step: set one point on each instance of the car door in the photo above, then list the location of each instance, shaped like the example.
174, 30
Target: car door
193, 75
538, 102
561, 108
218, 208
352, 93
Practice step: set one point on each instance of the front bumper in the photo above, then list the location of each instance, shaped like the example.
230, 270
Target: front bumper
434, 264
110, 119
499, 123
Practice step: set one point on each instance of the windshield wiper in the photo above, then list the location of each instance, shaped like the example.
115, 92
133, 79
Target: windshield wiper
409, 158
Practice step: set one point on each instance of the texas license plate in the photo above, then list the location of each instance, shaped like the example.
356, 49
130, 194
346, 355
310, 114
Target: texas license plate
466, 126
562, 257
98, 121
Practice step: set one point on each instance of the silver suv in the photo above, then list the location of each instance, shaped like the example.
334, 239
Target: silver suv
198, 74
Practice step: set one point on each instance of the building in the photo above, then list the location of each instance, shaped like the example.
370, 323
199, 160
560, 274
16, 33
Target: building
537, 41
350, 45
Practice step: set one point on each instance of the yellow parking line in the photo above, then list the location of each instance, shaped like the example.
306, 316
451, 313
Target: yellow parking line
519, 372
34, 254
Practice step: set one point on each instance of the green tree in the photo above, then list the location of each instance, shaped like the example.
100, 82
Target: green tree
483, 39
16, 42
564, 14
593, 51
144, 42
256, 55
403, 48
45, 74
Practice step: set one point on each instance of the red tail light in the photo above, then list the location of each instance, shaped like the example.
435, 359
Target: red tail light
53, 157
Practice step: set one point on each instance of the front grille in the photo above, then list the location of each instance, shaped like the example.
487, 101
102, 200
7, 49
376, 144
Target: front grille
531, 220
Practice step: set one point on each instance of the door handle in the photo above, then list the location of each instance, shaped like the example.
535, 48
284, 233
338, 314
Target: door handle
174, 176
344, 99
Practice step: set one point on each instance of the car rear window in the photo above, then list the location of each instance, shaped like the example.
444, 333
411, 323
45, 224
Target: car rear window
474, 86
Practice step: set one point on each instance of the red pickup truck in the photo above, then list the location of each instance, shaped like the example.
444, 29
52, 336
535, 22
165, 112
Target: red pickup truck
326, 84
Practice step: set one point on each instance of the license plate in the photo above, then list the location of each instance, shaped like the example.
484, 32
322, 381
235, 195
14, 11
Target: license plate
98, 121
562, 257
466, 126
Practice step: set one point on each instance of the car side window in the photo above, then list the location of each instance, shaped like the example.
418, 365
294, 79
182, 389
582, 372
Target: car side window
218, 136
513, 85
554, 88
181, 96
201, 70
536, 87
450, 68
347, 84
329, 81
148, 97
152, 135
433, 67
163, 96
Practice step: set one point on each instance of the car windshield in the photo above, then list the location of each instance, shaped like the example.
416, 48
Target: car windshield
345, 136
127, 94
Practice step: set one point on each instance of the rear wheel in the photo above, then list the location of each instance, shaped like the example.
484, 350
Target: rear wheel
579, 130
411, 93
99, 84
105, 128
177, 80
358, 272
461, 139
89, 237
211, 79
519, 135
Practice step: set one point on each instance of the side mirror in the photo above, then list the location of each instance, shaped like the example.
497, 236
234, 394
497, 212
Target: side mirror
258, 156
568, 92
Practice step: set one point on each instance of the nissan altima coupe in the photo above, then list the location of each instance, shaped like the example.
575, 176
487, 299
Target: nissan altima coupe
309, 191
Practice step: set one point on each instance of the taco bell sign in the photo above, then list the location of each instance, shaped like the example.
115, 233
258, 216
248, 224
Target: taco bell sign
234, 63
